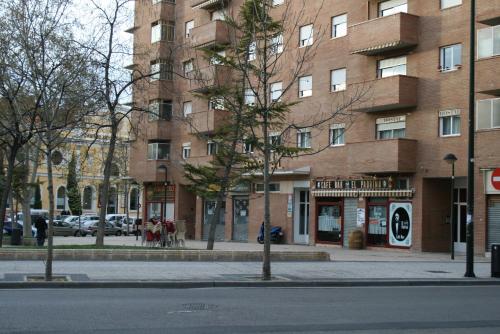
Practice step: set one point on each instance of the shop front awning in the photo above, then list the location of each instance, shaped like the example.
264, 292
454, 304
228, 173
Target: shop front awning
362, 193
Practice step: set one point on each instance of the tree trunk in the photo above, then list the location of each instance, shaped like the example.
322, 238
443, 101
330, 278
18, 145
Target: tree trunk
8, 185
266, 260
26, 199
214, 221
103, 199
50, 189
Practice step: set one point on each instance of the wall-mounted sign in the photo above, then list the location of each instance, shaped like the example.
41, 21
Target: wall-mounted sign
452, 112
400, 224
156, 193
379, 183
289, 209
492, 181
394, 119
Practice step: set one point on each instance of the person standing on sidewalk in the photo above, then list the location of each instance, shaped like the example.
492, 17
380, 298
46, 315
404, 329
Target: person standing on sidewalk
41, 228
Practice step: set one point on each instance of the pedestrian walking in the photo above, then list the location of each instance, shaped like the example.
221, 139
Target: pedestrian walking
41, 229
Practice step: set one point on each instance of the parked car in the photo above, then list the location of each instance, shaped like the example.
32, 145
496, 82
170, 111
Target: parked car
112, 218
72, 220
127, 227
65, 229
7, 228
109, 229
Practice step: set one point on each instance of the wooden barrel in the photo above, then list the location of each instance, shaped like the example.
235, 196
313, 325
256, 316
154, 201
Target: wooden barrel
356, 239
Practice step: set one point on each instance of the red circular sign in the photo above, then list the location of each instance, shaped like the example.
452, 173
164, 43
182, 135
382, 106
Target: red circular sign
495, 179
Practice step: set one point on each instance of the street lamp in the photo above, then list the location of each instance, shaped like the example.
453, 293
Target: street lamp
450, 158
164, 169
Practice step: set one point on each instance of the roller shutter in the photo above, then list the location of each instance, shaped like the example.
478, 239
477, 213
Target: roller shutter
493, 221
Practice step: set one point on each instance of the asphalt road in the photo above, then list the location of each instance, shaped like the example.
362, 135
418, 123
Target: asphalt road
255, 310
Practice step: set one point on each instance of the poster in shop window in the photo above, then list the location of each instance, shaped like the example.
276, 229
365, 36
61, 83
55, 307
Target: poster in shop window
401, 224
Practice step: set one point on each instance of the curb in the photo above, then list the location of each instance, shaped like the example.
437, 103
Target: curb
159, 255
247, 284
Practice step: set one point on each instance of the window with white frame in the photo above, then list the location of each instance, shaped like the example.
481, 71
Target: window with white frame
337, 134
188, 67
252, 51
450, 3
188, 26
274, 187
216, 103
61, 198
306, 35
276, 89
276, 44
158, 151
391, 127
162, 31
247, 146
391, 67
450, 57
488, 114
219, 14
160, 110
449, 123
390, 7
187, 108
211, 148
305, 86
186, 150
488, 42
304, 138
339, 26
338, 79
274, 140
217, 59
161, 70
277, 2
249, 97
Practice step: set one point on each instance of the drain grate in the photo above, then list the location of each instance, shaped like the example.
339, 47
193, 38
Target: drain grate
438, 272
199, 307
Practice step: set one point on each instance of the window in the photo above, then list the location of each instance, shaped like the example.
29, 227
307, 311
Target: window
338, 79
57, 158
188, 26
218, 58
216, 103
273, 187
339, 26
306, 35
187, 67
162, 31
450, 3
276, 44
61, 198
134, 199
218, 15
274, 140
211, 148
450, 57
337, 135
449, 123
488, 44
391, 7
88, 194
391, 127
252, 51
186, 150
278, 2
488, 114
160, 110
392, 66
158, 151
247, 146
304, 138
305, 86
161, 70
276, 91
187, 108
249, 97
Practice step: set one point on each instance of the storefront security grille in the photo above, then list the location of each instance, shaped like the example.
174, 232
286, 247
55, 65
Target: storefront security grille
493, 222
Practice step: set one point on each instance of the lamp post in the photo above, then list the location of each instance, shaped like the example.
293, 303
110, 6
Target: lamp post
450, 158
164, 169
126, 180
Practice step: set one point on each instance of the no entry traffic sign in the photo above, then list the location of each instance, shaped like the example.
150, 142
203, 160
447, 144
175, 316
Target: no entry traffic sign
495, 179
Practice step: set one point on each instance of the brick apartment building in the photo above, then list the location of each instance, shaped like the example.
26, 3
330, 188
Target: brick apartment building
383, 173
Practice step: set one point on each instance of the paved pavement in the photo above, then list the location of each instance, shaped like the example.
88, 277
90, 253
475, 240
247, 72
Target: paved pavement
373, 264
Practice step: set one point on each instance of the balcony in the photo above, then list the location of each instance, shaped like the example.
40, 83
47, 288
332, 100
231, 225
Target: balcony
214, 32
489, 71
396, 92
208, 77
488, 12
209, 4
384, 34
159, 129
206, 121
383, 156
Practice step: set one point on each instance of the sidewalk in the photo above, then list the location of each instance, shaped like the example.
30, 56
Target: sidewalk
346, 265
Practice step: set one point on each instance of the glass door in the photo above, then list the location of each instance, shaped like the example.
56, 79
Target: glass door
460, 219
301, 217
377, 225
240, 218
330, 227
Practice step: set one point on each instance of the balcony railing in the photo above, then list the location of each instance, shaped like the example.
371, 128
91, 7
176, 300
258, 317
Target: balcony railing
206, 121
488, 12
214, 32
389, 93
208, 77
487, 82
384, 34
